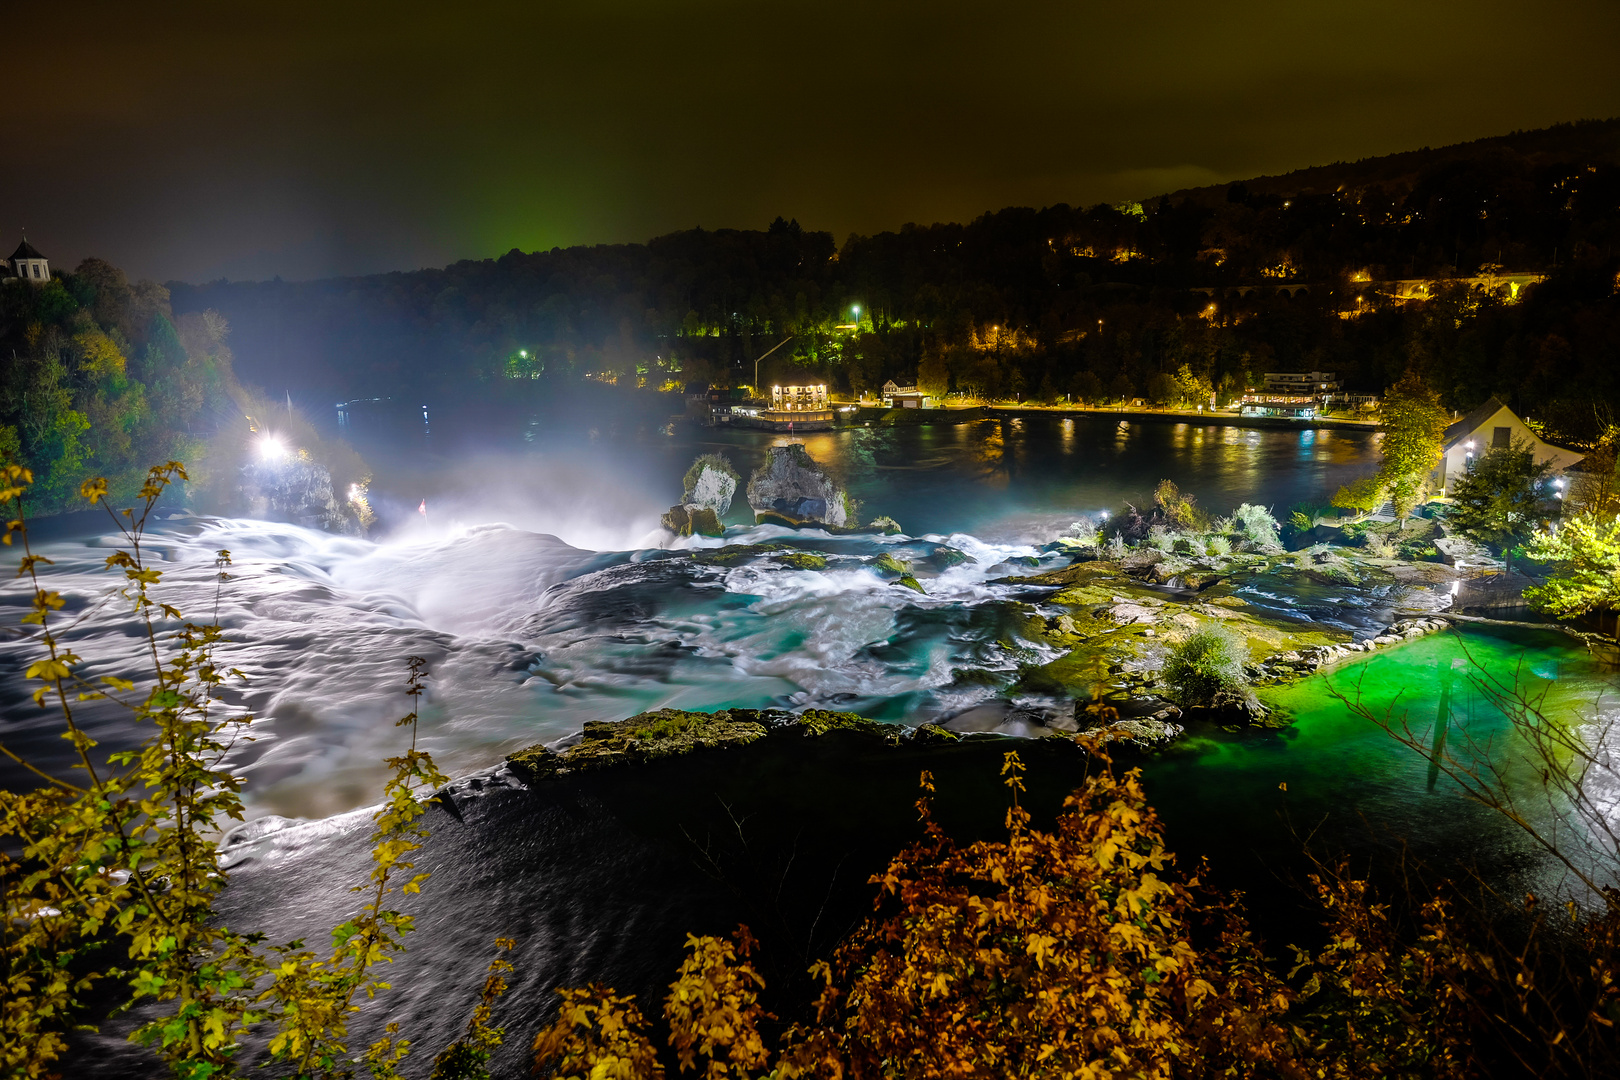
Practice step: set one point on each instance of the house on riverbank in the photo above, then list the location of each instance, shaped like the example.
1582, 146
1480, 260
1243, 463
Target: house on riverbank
1488, 427
905, 397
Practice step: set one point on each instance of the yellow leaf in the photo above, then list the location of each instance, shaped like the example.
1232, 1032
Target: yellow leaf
48, 669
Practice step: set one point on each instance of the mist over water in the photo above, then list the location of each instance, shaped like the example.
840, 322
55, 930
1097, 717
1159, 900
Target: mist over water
600, 480
526, 638
543, 595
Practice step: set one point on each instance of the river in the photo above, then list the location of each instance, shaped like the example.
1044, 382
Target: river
542, 594
538, 588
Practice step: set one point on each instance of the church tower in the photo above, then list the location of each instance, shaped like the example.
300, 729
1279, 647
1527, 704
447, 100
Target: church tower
28, 264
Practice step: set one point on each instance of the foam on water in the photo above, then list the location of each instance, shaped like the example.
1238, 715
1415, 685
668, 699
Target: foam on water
526, 638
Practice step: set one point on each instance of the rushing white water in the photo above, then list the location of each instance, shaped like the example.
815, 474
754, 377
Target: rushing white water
526, 638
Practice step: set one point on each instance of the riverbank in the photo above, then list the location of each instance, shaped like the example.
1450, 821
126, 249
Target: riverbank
1179, 416
866, 414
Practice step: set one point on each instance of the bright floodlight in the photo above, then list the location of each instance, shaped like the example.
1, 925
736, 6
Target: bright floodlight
270, 448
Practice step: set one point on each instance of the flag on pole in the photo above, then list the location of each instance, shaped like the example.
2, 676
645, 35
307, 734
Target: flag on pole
423, 508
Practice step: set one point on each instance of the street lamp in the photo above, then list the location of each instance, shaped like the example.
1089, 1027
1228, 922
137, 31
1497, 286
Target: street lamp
763, 355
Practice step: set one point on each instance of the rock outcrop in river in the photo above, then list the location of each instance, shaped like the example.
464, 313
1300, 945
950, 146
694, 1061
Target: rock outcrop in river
791, 488
670, 733
297, 489
710, 482
708, 488
688, 519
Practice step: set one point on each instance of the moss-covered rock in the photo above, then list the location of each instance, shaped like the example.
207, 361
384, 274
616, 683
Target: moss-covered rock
885, 525
802, 560
1070, 545
943, 558
705, 522
1074, 573
536, 763
677, 520
973, 676
645, 737
735, 554
671, 733
933, 733
887, 564
909, 582
685, 519
710, 483
814, 723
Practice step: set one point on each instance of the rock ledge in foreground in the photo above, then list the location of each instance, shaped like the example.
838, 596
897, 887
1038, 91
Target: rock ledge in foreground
669, 733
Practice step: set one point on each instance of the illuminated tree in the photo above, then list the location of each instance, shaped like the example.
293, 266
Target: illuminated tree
1500, 497
1414, 433
1363, 496
1192, 389
1585, 553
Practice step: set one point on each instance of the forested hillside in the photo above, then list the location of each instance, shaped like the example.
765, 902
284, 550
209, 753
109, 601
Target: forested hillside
100, 378
1085, 302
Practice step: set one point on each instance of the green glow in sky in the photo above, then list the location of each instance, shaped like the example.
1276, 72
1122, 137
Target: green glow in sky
198, 140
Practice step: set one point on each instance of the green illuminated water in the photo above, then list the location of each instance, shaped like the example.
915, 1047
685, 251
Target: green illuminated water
1355, 788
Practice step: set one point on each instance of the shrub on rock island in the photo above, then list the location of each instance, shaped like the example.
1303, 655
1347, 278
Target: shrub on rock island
1257, 526
1378, 545
1206, 669
1132, 524
1084, 532
1178, 508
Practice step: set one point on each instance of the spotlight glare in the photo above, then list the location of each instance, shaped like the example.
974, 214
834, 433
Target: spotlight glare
270, 449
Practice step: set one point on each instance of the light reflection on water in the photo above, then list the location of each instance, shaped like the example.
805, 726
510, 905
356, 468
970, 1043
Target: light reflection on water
529, 637
992, 478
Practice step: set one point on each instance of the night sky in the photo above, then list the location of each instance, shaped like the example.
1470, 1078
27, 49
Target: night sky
245, 140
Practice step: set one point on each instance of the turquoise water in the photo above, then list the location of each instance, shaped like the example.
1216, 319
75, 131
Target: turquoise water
529, 635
